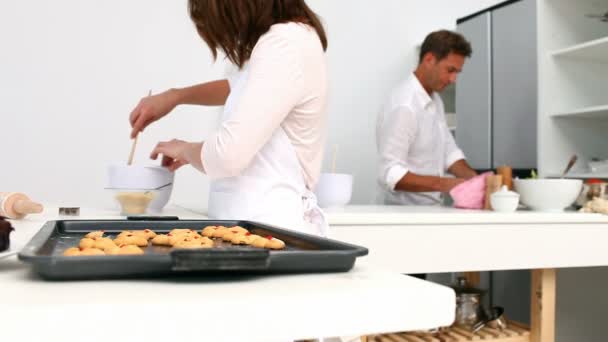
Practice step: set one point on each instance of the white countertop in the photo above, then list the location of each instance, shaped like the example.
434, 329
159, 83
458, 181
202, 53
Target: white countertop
263, 308
436, 239
395, 214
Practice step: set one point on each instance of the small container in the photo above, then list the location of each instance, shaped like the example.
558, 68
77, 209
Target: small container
469, 310
334, 189
504, 201
134, 201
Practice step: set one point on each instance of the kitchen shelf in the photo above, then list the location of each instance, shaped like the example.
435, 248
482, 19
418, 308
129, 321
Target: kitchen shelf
596, 112
595, 50
515, 332
581, 175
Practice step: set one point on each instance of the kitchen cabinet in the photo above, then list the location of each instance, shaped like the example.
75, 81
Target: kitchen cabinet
474, 96
496, 96
573, 68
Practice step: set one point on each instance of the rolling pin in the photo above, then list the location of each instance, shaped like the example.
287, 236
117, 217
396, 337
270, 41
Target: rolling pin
15, 205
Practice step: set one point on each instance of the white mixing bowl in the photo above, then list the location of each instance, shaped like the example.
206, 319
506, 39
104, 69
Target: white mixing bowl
552, 195
141, 177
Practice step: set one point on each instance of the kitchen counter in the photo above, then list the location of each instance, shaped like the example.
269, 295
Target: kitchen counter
437, 239
395, 214
221, 308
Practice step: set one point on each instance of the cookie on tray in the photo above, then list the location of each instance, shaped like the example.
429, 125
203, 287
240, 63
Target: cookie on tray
95, 234
245, 239
126, 250
104, 243
209, 231
92, 252
87, 243
147, 233
178, 231
269, 242
220, 232
130, 239
75, 251
161, 240
195, 242
175, 238
232, 232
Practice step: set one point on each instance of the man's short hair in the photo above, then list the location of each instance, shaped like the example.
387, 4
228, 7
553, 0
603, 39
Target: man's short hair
442, 43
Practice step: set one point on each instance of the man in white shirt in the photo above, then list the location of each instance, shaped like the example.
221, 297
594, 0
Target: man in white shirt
414, 143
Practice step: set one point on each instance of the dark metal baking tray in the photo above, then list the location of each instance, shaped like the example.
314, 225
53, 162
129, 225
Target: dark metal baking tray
303, 253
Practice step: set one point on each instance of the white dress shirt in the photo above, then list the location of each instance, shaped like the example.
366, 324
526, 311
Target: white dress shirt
412, 136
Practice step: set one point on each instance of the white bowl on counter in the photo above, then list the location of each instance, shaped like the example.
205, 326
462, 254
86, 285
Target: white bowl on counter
504, 201
548, 195
142, 177
334, 189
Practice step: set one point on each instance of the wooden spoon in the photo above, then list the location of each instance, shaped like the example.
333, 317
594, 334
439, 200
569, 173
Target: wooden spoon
130, 161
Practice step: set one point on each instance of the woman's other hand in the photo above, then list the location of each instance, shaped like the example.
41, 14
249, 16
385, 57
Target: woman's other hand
177, 153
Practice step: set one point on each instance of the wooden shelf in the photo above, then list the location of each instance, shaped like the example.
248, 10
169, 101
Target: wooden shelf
515, 332
597, 112
595, 50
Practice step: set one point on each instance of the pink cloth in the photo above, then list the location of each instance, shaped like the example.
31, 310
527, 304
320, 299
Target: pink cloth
472, 193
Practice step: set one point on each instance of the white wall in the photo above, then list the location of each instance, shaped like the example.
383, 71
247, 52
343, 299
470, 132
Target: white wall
71, 71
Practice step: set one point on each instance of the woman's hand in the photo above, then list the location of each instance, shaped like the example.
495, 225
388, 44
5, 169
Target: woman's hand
177, 153
150, 109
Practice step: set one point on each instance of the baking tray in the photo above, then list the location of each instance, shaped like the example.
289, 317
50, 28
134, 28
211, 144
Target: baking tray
303, 253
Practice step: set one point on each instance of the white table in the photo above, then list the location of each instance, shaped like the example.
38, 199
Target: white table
366, 300
437, 240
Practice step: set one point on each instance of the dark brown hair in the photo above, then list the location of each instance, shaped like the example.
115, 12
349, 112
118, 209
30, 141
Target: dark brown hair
442, 43
235, 26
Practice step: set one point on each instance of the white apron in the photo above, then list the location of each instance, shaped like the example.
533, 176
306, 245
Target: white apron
272, 189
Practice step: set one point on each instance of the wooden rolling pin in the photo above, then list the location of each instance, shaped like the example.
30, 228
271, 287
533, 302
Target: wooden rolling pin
15, 205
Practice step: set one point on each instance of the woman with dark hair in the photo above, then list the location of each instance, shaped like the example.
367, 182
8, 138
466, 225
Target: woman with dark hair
266, 157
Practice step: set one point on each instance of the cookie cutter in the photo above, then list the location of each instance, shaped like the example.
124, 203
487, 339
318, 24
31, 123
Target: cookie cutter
69, 211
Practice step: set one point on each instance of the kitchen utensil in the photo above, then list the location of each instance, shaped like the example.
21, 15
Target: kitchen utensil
304, 253
137, 177
69, 211
494, 320
469, 310
548, 195
130, 160
571, 163
497, 319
